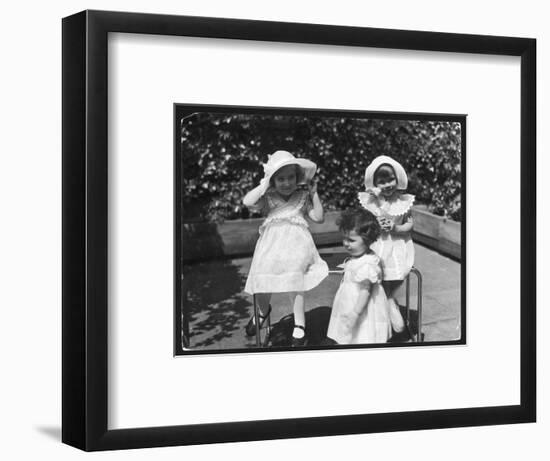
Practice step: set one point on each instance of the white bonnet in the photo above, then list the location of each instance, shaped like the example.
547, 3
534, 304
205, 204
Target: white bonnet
400, 175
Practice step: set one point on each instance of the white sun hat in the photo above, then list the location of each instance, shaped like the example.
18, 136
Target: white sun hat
400, 175
282, 158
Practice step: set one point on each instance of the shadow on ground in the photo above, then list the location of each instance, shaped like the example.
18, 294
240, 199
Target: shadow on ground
53, 432
214, 302
316, 329
317, 320
215, 309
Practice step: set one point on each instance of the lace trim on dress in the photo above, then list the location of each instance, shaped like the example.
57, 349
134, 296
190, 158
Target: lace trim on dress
378, 206
287, 211
277, 204
298, 220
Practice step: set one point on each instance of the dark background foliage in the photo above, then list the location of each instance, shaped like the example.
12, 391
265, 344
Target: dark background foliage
222, 156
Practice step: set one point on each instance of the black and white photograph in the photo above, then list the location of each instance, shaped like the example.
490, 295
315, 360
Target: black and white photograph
310, 229
275, 230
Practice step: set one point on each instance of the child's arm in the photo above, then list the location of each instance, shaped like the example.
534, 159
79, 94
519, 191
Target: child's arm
406, 227
362, 299
346, 324
316, 214
252, 198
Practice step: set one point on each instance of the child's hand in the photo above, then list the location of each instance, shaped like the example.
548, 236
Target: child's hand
385, 224
312, 188
373, 191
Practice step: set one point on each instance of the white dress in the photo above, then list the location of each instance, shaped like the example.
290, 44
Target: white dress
285, 258
396, 251
353, 324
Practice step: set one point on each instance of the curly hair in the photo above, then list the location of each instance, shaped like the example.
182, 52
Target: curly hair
361, 221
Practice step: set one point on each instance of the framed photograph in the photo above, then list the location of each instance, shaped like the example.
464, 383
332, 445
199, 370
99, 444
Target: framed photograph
266, 228
219, 235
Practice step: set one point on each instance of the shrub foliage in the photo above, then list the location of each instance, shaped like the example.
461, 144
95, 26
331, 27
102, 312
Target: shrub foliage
222, 156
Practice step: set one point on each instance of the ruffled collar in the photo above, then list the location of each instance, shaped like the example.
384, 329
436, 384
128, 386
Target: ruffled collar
378, 206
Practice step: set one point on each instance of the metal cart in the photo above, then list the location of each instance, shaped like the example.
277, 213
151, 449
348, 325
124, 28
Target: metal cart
418, 337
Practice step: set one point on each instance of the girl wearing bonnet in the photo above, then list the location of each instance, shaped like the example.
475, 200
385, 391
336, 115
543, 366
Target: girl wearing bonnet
385, 197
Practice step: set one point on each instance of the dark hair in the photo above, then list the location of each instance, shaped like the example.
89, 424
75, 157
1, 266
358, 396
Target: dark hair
300, 174
361, 221
384, 172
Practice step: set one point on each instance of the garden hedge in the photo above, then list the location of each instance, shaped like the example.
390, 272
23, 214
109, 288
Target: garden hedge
222, 156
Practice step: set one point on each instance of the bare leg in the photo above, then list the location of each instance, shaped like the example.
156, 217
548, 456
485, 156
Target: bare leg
297, 300
397, 322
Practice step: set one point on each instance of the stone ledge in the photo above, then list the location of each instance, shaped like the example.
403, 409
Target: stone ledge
203, 241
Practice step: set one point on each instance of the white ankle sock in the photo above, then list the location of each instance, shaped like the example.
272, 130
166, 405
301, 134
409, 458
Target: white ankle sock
298, 333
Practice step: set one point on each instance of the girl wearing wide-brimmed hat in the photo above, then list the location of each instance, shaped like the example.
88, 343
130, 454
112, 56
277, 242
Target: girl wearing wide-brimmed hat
385, 197
285, 258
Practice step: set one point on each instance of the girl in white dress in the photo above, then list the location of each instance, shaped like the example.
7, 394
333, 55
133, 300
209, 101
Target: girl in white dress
385, 183
285, 258
360, 312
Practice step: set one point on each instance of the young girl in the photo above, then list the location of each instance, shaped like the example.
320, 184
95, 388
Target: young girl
385, 183
285, 258
360, 309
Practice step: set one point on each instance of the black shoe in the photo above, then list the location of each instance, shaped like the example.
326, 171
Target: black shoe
297, 342
250, 328
328, 342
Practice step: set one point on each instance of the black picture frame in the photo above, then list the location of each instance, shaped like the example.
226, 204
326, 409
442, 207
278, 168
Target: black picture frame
85, 230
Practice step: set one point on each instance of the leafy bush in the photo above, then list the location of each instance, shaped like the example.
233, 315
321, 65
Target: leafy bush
222, 156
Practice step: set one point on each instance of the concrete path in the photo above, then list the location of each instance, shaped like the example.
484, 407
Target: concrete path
219, 310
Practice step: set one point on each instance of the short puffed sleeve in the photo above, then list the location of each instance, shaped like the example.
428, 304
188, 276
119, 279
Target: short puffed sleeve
368, 271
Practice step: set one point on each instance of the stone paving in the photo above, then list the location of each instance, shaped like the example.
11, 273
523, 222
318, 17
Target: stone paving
219, 310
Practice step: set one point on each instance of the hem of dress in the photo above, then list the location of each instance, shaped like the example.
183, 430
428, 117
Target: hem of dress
280, 283
395, 277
